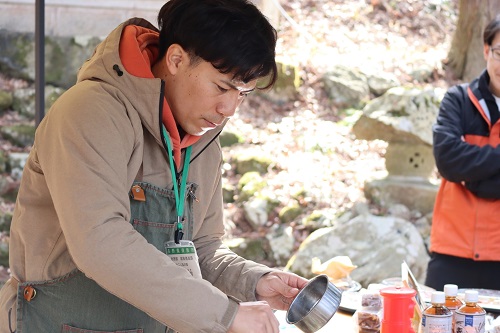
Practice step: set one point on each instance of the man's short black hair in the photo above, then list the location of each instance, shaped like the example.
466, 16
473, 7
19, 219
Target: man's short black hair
491, 30
233, 35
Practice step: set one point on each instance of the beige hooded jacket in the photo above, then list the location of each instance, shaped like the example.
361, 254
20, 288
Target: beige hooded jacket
73, 207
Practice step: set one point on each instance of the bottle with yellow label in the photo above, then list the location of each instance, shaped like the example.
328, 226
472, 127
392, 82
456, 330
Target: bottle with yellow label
437, 318
470, 314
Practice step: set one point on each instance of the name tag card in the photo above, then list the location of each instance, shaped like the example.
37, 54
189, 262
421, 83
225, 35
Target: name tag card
184, 255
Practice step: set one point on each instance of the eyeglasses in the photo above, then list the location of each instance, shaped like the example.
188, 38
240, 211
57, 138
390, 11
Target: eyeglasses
495, 52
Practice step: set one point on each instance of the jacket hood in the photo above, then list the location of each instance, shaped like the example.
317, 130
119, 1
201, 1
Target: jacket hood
106, 66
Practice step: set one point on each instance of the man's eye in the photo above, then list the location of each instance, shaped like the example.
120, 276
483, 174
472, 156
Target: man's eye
221, 89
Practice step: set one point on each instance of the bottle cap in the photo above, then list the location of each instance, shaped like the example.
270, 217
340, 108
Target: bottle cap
437, 297
450, 289
398, 292
471, 296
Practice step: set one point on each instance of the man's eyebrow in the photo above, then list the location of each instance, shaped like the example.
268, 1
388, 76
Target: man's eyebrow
233, 86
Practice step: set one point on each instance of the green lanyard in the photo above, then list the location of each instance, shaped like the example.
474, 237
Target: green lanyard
179, 192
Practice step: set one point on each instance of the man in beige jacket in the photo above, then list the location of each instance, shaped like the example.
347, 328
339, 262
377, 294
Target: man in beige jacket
118, 221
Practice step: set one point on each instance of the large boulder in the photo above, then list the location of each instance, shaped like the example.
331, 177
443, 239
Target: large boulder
404, 115
377, 245
346, 87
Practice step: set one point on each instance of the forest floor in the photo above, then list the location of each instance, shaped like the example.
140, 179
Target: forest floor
373, 35
394, 37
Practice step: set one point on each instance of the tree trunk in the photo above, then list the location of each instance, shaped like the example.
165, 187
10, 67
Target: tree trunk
465, 58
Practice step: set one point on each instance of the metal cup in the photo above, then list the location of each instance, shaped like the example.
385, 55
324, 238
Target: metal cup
315, 305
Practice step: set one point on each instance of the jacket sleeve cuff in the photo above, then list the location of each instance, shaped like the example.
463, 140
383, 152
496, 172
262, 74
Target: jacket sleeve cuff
232, 309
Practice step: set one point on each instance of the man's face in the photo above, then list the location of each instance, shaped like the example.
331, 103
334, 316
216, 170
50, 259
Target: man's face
493, 64
201, 97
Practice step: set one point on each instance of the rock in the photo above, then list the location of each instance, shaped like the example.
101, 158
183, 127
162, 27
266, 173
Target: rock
409, 159
17, 55
247, 163
286, 87
399, 210
228, 139
381, 82
16, 163
255, 249
52, 93
404, 118
5, 100
346, 87
415, 193
5, 220
282, 243
24, 100
64, 54
423, 226
19, 135
377, 245
9, 188
289, 213
249, 185
319, 219
255, 211
4, 275
400, 115
4, 251
3, 162
423, 73
228, 192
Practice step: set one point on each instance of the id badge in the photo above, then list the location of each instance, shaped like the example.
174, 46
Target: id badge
184, 255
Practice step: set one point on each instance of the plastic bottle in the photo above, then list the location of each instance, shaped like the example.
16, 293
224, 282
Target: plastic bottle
452, 302
470, 314
437, 318
398, 309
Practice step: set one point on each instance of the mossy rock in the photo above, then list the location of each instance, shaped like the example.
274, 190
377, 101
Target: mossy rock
250, 184
228, 193
249, 163
272, 202
252, 249
11, 195
5, 221
299, 194
228, 139
289, 213
6, 99
3, 161
4, 253
19, 135
317, 220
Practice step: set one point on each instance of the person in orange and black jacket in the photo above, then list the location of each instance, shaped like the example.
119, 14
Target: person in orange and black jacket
465, 235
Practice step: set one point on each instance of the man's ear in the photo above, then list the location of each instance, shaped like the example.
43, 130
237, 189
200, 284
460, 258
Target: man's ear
175, 57
486, 51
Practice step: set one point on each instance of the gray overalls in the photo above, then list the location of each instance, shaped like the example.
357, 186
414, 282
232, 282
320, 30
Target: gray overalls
74, 303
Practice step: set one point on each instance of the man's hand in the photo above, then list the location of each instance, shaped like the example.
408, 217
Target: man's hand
254, 317
279, 289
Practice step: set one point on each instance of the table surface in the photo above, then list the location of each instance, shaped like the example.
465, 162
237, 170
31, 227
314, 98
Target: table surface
341, 322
